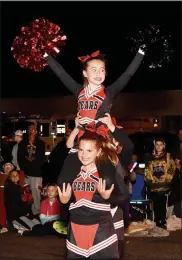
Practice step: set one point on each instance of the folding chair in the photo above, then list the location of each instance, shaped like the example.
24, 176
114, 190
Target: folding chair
141, 206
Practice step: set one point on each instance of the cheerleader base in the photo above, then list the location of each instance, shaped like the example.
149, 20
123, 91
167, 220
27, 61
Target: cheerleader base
98, 241
117, 215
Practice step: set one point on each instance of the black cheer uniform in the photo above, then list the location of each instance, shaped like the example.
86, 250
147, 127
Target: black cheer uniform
124, 158
72, 165
91, 229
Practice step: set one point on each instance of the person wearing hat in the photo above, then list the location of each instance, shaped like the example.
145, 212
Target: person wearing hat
18, 138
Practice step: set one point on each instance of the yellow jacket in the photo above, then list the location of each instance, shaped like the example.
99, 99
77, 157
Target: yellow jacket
159, 172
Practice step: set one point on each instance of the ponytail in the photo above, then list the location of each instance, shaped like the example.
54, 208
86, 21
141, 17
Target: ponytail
108, 151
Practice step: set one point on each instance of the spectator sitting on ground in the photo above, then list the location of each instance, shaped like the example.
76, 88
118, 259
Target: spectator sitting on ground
17, 204
51, 212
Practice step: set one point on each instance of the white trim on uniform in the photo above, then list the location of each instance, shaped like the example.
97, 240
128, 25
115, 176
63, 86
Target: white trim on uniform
90, 204
119, 224
94, 249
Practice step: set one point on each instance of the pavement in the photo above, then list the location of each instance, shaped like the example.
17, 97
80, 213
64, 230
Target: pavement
13, 246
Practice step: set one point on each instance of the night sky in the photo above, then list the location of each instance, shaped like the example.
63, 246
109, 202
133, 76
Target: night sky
89, 27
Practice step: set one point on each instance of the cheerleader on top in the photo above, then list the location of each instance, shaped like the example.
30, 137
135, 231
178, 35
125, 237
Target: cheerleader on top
94, 100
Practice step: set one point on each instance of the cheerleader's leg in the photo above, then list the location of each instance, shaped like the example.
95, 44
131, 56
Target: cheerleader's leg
97, 242
70, 169
80, 240
119, 229
106, 242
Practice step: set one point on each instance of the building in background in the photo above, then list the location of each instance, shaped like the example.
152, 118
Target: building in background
136, 112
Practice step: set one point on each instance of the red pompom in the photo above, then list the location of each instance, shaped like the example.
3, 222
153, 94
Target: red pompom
40, 37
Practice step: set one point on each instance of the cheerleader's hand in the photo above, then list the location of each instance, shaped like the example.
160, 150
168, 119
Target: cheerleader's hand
101, 188
77, 120
55, 49
107, 120
45, 55
142, 49
65, 194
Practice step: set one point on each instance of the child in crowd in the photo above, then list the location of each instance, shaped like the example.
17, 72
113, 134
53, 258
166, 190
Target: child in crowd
51, 212
18, 206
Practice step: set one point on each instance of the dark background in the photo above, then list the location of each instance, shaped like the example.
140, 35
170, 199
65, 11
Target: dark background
89, 26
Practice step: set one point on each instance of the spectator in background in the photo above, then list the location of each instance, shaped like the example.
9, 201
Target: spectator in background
3, 176
51, 212
176, 151
175, 198
16, 206
129, 179
133, 169
159, 172
137, 178
57, 157
134, 158
18, 138
31, 157
132, 173
5, 155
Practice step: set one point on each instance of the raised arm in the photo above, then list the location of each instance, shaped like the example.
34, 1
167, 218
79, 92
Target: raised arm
70, 83
71, 139
122, 81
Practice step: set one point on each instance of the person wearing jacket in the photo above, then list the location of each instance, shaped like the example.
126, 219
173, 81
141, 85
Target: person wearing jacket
18, 139
31, 157
159, 173
15, 204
